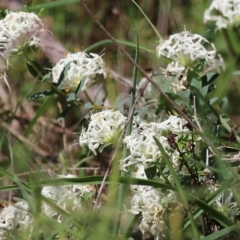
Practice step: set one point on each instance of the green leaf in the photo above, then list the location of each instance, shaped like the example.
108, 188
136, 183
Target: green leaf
3, 14
209, 78
204, 102
52, 4
225, 221
151, 172
40, 111
236, 72
196, 83
36, 70
219, 234
122, 42
213, 100
120, 102
206, 206
88, 105
42, 94
207, 89
64, 112
71, 97
80, 85
109, 180
63, 75
46, 77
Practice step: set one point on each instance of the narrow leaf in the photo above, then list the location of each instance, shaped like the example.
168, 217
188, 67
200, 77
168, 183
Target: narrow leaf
71, 97
179, 187
64, 112
36, 70
41, 94
219, 234
63, 74
80, 85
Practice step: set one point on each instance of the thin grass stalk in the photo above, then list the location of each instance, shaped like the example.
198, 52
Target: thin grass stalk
122, 42
121, 192
39, 113
155, 30
51, 4
179, 188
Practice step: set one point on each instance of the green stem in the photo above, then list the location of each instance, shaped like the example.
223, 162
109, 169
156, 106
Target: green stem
88, 97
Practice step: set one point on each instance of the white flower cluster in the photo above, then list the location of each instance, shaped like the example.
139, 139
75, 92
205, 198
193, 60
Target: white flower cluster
226, 13
81, 65
68, 198
104, 128
185, 48
187, 51
152, 203
14, 216
142, 146
17, 31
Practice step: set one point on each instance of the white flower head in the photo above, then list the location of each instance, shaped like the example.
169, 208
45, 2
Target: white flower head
104, 128
188, 52
185, 48
152, 220
82, 65
19, 30
153, 204
225, 13
13, 216
68, 197
142, 146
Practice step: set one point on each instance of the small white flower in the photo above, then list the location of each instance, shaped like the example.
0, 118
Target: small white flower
17, 31
104, 128
81, 65
225, 13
